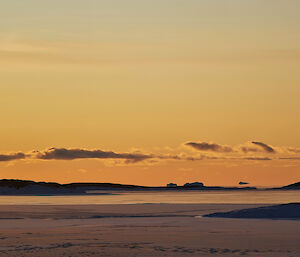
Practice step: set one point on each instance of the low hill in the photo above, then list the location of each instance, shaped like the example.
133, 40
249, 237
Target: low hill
282, 211
28, 187
292, 186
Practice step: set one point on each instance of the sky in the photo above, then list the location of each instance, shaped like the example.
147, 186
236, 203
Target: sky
150, 92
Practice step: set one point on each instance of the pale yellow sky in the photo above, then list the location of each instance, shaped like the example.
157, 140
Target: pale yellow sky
125, 75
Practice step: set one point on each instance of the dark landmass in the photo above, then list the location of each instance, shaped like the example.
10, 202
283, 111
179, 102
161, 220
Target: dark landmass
28, 187
282, 211
292, 186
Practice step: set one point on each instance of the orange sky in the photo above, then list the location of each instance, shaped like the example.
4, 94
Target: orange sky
146, 78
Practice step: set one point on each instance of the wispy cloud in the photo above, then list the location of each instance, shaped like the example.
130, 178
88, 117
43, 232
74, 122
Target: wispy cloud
204, 146
293, 150
289, 158
264, 146
71, 154
258, 158
251, 151
12, 157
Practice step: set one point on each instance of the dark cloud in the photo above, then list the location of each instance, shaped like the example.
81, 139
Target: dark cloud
185, 158
265, 147
203, 146
11, 157
243, 183
247, 149
289, 158
258, 158
235, 153
71, 154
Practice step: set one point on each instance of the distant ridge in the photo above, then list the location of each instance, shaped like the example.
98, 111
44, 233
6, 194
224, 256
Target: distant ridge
29, 187
23, 183
292, 186
282, 211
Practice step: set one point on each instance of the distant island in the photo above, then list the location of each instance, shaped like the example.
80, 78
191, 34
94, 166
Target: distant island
28, 187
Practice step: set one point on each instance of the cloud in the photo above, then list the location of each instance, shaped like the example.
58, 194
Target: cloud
12, 157
294, 150
265, 147
258, 158
247, 149
289, 158
72, 154
203, 146
207, 151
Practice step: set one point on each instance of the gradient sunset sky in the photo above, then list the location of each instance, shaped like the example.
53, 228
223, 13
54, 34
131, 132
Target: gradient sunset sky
150, 92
